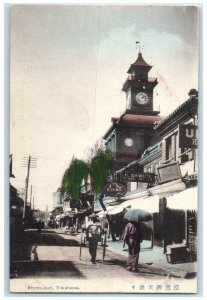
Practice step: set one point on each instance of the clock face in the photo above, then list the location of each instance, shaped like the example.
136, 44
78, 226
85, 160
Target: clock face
142, 98
129, 142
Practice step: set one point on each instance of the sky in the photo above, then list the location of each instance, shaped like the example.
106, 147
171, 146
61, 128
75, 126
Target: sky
67, 67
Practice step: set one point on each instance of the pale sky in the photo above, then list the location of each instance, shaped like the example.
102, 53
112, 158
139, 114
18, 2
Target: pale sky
67, 67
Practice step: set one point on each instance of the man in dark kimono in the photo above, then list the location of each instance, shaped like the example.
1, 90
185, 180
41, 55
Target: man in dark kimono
133, 237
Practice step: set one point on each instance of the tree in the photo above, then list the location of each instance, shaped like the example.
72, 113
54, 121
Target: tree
73, 176
100, 163
100, 166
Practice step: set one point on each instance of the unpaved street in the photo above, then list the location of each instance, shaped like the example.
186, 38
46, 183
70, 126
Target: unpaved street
49, 261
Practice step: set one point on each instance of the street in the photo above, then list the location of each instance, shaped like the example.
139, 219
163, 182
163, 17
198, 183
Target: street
49, 261
63, 251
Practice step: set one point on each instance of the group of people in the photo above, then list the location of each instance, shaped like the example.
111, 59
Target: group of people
132, 236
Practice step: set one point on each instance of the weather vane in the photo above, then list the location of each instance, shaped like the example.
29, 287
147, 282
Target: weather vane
141, 47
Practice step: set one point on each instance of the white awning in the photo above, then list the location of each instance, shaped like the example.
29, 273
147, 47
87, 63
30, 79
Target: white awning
150, 204
187, 199
119, 208
113, 210
184, 200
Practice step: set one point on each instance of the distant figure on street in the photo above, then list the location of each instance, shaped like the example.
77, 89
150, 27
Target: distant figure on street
94, 232
42, 224
39, 226
133, 237
113, 229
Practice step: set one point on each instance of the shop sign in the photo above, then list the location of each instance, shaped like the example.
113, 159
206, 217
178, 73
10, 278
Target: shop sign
137, 177
169, 172
115, 189
188, 136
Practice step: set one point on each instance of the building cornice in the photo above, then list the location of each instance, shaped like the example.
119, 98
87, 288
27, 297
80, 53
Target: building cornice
185, 111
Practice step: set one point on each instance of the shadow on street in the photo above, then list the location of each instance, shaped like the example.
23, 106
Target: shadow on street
116, 262
24, 260
49, 238
23, 247
57, 269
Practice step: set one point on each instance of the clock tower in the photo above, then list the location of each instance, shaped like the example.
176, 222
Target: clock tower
132, 133
139, 88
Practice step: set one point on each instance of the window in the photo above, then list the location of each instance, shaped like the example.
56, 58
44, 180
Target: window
153, 168
168, 148
175, 137
156, 166
183, 155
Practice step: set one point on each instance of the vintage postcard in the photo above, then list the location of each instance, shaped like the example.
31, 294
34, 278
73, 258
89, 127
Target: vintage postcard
104, 149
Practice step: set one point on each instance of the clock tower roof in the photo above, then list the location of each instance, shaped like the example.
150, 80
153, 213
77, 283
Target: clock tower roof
132, 120
140, 62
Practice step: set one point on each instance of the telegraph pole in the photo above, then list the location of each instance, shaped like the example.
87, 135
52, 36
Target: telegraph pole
33, 204
26, 186
46, 210
28, 162
30, 197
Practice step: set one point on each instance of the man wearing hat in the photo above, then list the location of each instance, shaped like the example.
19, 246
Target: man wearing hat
94, 232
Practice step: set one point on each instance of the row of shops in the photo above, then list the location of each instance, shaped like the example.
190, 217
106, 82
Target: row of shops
174, 211
155, 167
172, 198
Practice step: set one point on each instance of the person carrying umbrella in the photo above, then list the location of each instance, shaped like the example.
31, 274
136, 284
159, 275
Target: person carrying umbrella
133, 236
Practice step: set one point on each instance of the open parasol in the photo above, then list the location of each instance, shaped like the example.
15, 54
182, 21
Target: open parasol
137, 215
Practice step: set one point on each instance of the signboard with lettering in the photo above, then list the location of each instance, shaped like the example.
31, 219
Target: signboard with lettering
115, 189
188, 136
169, 172
137, 177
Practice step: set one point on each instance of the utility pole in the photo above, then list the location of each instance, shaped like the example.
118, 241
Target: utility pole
28, 162
30, 197
26, 186
46, 210
33, 205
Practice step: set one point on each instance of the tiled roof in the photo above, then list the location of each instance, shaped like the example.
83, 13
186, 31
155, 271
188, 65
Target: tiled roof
140, 61
131, 119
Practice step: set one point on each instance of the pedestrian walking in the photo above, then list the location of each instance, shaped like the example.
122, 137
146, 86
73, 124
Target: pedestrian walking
94, 232
133, 237
39, 226
113, 227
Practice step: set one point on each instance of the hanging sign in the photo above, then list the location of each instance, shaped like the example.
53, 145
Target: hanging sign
137, 177
188, 136
169, 172
115, 189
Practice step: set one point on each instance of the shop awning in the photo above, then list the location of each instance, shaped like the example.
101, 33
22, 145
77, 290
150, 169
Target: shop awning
187, 199
119, 208
111, 210
150, 204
